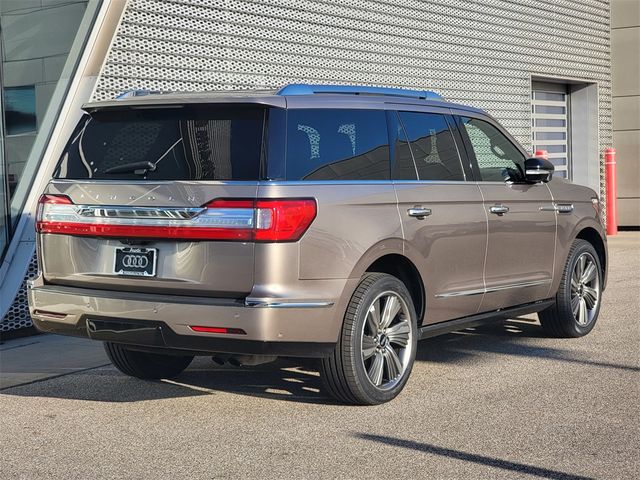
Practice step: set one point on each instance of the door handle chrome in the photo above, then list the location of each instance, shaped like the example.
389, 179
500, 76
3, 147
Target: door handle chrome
419, 212
499, 209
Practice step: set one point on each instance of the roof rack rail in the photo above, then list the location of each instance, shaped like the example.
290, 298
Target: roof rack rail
138, 93
306, 89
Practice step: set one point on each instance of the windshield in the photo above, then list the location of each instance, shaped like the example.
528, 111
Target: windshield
181, 143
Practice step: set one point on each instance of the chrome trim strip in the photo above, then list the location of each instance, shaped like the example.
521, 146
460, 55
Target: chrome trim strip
262, 304
462, 293
493, 289
108, 211
564, 207
558, 207
150, 216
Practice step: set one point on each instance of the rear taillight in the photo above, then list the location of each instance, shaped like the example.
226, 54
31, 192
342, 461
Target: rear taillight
263, 220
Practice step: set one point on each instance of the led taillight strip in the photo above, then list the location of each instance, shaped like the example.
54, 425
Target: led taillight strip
263, 220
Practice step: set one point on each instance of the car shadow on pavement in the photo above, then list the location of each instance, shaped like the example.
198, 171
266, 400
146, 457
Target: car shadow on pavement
516, 337
295, 380
508, 465
286, 379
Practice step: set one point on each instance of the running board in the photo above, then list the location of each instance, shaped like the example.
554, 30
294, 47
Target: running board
441, 328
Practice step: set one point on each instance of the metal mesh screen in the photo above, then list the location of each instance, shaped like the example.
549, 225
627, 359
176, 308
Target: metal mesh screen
474, 52
18, 314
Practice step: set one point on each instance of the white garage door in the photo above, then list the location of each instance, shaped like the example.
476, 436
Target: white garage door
550, 122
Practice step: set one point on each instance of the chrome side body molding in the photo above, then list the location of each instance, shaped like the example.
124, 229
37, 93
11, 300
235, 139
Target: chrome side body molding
494, 289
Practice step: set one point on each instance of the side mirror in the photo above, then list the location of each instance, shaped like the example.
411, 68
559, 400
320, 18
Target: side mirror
538, 170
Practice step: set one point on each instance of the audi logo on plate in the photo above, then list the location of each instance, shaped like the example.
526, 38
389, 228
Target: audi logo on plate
135, 261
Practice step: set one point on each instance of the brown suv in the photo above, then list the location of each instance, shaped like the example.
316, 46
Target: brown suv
343, 223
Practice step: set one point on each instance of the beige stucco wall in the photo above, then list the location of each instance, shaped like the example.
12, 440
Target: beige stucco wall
625, 58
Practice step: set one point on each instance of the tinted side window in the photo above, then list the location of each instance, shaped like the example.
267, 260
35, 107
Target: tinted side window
432, 145
404, 167
337, 144
498, 158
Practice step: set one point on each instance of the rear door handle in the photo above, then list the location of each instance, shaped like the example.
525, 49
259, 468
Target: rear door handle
419, 212
499, 209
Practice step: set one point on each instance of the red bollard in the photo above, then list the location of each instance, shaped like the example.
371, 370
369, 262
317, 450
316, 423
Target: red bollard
541, 154
611, 188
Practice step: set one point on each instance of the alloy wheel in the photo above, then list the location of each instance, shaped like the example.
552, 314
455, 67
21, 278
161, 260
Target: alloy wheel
387, 336
585, 289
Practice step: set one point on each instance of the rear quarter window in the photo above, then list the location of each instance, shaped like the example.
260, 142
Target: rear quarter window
337, 144
189, 143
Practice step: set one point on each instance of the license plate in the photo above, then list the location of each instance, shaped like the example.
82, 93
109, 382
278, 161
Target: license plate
140, 262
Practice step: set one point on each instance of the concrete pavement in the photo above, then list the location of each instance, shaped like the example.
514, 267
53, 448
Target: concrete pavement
39, 357
494, 402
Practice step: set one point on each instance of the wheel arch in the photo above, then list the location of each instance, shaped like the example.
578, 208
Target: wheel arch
592, 236
405, 270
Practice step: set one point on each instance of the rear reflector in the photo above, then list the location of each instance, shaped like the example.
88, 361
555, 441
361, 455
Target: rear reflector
232, 331
262, 220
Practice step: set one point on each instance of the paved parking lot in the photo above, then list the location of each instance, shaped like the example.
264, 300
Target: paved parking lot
494, 402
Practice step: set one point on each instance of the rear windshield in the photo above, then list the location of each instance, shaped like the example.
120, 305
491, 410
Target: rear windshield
184, 143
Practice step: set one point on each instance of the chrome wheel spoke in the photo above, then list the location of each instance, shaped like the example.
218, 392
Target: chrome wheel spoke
373, 317
368, 347
575, 305
399, 333
392, 362
376, 369
589, 273
582, 313
582, 262
590, 296
391, 308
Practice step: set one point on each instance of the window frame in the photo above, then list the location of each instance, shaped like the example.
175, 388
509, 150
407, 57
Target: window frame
469, 150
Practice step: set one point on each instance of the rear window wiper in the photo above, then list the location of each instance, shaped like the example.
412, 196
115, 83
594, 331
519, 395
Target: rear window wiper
139, 168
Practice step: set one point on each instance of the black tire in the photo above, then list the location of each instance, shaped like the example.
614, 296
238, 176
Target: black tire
345, 373
559, 320
145, 365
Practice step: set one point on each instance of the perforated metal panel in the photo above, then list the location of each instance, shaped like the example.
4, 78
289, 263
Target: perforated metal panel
475, 52
18, 314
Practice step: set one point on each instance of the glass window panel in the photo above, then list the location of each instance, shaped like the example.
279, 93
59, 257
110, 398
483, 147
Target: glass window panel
550, 122
434, 150
498, 159
404, 168
337, 144
20, 110
549, 109
550, 136
36, 42
552, 148
31, 38
559, 162
553, 96
184, 144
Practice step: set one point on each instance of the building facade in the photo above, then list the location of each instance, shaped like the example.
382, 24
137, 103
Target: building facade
541, 67
625, 60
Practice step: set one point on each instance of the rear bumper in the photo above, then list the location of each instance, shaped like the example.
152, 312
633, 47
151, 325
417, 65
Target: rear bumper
304, 329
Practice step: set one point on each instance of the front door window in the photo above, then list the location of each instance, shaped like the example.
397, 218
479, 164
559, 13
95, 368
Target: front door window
498, 159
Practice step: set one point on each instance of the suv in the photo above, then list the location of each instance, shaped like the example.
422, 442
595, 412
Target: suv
341, 223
